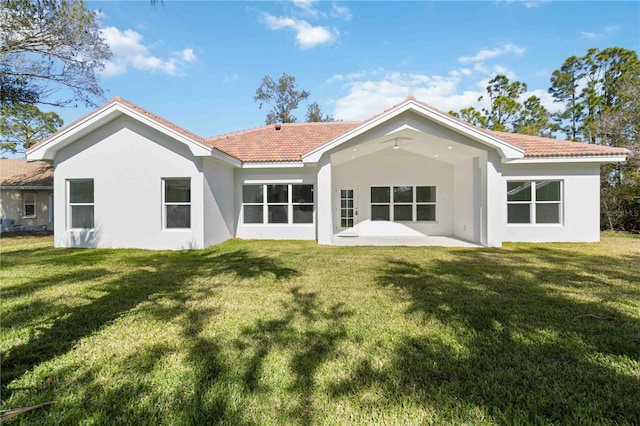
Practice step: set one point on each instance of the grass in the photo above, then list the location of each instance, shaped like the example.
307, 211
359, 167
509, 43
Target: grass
257, 332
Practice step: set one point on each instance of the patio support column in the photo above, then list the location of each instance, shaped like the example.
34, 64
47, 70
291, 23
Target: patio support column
324, 202
496, 201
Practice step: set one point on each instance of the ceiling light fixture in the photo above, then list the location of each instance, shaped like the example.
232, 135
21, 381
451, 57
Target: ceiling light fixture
395, 146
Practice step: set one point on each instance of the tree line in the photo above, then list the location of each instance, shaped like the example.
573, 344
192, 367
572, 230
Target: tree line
599, 98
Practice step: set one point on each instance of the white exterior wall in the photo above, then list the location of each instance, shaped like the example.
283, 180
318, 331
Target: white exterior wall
275, 231
219, 223
581, 202
127, 162
467, 207
394, 168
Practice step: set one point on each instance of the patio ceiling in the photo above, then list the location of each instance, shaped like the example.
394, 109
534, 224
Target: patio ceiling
409, 141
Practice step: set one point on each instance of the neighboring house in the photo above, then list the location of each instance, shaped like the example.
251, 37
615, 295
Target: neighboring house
127, 178
26, 194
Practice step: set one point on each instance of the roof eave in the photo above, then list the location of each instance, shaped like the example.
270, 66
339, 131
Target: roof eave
603, 159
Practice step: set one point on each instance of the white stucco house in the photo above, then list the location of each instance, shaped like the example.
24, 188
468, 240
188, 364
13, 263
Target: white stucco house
125, 177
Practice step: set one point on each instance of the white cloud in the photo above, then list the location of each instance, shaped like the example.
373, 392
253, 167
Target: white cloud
307, 36
604, 33
492, 53
368, 97
341, 12
128, 50
306, 6
188, 55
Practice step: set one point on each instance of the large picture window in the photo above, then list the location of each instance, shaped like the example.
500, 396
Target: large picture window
28, 204
277, 203
80, 203
536, 202
403, 203
177, 203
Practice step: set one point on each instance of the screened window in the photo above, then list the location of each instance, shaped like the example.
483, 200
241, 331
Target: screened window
80, 203
277, 203
403, 203
28, 204
177, 203
534, 202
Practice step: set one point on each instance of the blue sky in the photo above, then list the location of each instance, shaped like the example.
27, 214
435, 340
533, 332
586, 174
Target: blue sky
198, 64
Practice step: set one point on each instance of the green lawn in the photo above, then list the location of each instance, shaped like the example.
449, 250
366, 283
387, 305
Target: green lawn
257, 332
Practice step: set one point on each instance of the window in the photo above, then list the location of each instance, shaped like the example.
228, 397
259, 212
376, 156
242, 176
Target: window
534, 201
277, 203
81, 203
28, 204
302, 203
409, 203
177, 203
380, 203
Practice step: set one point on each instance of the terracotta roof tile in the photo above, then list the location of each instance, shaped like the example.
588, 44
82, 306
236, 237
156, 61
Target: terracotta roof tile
536, 146
266, 144
18, 172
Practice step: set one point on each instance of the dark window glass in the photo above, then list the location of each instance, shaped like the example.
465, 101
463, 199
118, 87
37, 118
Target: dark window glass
178, 216
379, 212
303, 214
81, 191
278, 214
548, 213
252, 194
426, 212
403, 194
402, 212
253, 214
425, 194
277, 194
82, 216
519, 213
380, 194
548, 191
177, 191
518, 191
302, 193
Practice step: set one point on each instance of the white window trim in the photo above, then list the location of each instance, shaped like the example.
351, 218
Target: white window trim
70, 205
290, 204
24, 205
165, 204
534, 202
414, 209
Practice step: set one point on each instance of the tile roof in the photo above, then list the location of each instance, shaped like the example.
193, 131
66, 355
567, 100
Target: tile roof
266, 144
536, 146
18, 172
293, 140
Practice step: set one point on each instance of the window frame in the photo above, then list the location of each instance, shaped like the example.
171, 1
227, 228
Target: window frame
166, 204
534, 202
25, 204
290, 204
71, 205
392, 203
